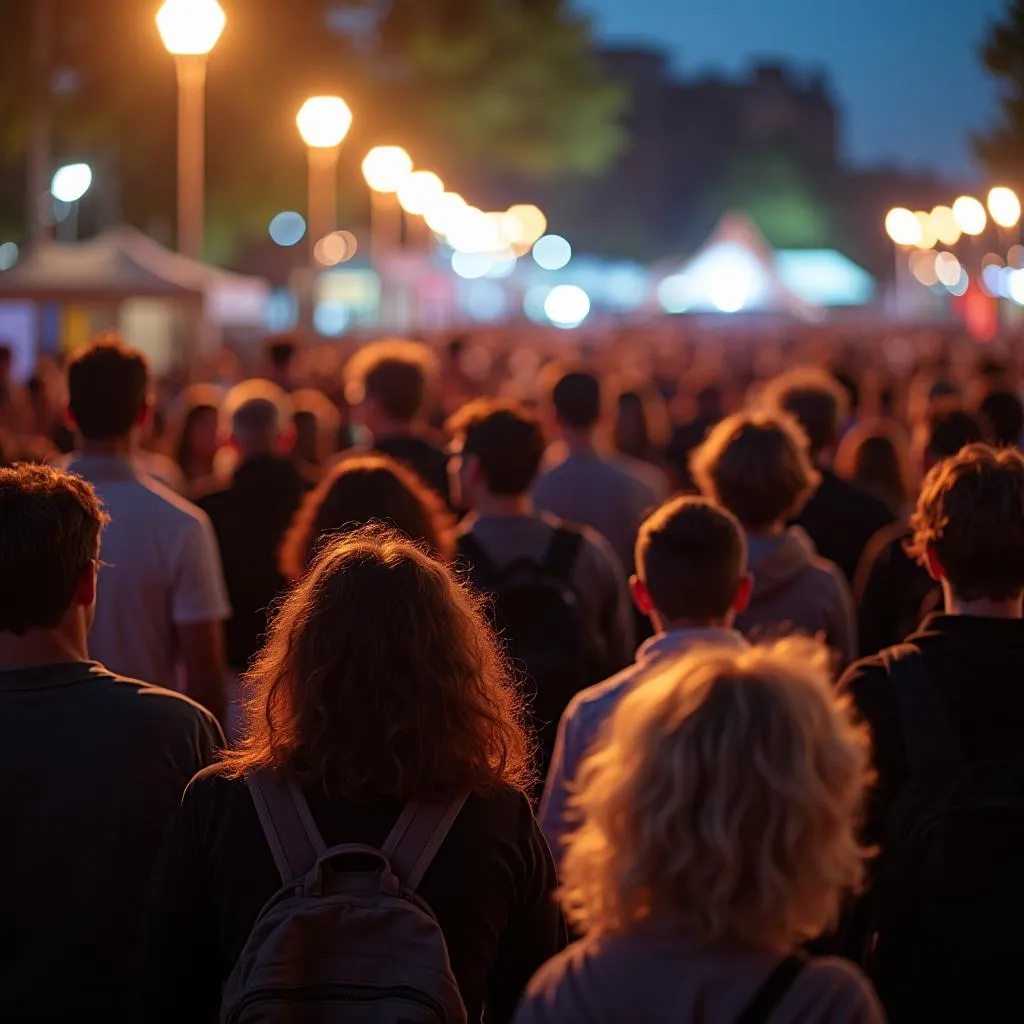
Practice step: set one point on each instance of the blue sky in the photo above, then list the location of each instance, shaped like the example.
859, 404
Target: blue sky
907, 73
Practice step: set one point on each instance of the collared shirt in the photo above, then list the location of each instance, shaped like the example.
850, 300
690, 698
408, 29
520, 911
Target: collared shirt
592, 707
161, 569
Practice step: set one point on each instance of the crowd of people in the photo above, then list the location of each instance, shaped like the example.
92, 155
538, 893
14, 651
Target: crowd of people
666, 679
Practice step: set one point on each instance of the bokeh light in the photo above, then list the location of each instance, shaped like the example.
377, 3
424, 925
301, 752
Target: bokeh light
524, 224
386, 167
1015, 257
922, 266
472, 230
552, 252
1004, 206
443, 211
902, 227
324, 121
71, 182
8, 255
928, 237
337, 247
947, 269
287, 228
567, 305
190, 27
419, 191
471, 265
970, 215
1015, 286
944, 225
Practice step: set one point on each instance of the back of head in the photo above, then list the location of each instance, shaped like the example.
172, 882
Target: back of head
815, 399
358, 491
756, 465
576, 397
875, 457
281, 351
970, 516
317, 422
506, 440
949, 432
641, 424
51, 533
691, 555
723, 803
108, 385
258, 413
380, 678
1004, 415
398, 376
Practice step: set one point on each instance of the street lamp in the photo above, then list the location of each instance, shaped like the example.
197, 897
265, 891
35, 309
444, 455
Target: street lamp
970, 215
190, 30
1004, 206
323, 123
385, 168
905, 231
69, 185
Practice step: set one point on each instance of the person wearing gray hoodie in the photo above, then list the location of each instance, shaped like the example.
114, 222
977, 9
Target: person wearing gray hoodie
756, 465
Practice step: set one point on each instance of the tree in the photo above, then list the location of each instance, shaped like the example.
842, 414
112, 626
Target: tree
1002, 150
481, 85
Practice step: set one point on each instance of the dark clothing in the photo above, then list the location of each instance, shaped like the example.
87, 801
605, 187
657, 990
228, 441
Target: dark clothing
490, 887
427, 460
841, 519
93, 767
651, 978
250, 515
976, 664
893, 593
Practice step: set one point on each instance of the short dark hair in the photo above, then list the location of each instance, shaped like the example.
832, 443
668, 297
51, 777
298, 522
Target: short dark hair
951, 431
1004, 414
691, 555
281, 350
577, 399
505, 438
107, 386
756, 465
397, 374
817, 401
971, 514
51, 531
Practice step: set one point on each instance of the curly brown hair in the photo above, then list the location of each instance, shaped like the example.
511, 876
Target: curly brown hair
971, 514
363, 489
380, 677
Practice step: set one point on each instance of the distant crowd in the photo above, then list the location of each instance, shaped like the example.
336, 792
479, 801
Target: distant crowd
658, 680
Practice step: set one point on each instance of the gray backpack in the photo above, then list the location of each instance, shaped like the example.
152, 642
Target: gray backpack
345, 938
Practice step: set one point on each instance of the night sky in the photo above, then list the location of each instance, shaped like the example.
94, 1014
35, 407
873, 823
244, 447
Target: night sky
906, 73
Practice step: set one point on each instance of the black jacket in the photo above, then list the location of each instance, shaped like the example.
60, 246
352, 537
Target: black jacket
250, 515
841, 519
490, 887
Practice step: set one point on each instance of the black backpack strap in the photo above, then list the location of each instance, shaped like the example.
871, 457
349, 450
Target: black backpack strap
931, 741
564, 549
292, 835
480, 565
766, 999
417, 836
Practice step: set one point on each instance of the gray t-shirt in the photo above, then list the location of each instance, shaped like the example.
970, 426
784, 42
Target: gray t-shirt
647, 978
161, 569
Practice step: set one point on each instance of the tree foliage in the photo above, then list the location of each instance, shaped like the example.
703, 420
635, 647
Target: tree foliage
1002, 149
467, 85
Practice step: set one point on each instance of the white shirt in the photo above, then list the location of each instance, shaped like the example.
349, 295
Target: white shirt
160, 569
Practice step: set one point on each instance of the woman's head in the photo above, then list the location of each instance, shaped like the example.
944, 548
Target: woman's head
199, 430
876, 457
641, 423
366, 489
724, 803
380, 677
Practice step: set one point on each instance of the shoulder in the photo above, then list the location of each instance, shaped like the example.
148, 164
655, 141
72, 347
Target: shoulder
839, 991
148, 702
868, 683
595, 702
168, 508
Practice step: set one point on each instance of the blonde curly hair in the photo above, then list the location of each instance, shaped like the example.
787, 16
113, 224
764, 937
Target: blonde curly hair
723, 801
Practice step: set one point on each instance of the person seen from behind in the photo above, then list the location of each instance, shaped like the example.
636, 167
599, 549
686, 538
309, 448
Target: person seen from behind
559, 592
946, 710
380, 687
839, 517
163, 600
691, 581
391, 386
875, 456
756, 465
94, 764
717, 833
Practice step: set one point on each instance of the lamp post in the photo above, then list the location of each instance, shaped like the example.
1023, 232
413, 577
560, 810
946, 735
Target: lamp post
904, 229
385, 168
190, 30
69, 185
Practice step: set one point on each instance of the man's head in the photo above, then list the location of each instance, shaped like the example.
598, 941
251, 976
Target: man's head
258, 415
498, 450
392, 383
756, 465
49, 551
969, 524
1004, 415
108, 387
944, 434
281, 351
691, 559
816, 400
576, 398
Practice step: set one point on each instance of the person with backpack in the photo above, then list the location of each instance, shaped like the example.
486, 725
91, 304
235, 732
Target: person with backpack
559, 595
368, 851
941, 930
691, 581
717, 832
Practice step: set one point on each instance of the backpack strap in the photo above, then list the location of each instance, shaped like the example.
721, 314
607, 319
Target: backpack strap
292, 835
564, 549
931, 741
480, 565
765, 1001
417, 836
